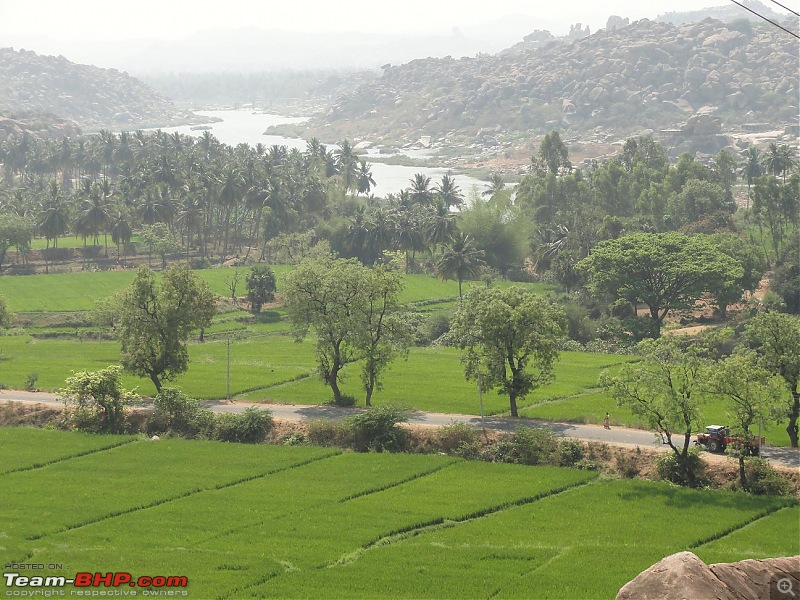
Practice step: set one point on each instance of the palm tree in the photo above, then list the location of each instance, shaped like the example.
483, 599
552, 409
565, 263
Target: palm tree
54, 217
779, 160
347, 164
94, 215
421, 189
441, 224
121, 231
496, 184
449, 192
751, 168
461, 260
364, 180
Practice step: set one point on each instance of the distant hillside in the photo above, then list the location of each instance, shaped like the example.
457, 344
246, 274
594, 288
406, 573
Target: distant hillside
619, 81
33, 86
727, 13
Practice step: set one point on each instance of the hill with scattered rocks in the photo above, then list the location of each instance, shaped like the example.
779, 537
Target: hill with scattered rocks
692, 80
41, 92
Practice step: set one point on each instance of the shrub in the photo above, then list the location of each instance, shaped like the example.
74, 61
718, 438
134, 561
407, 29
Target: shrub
249, 427
455, 437
260, 286
322, 432
531, 446
176, 413
692, 474
377, 429
438, 324
96, 401
345, 400
763, 479
30, 382
569, 453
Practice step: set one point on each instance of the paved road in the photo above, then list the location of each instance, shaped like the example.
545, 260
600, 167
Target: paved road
295, 412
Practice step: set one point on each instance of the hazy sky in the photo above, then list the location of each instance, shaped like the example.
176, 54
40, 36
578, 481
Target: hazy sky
93, 20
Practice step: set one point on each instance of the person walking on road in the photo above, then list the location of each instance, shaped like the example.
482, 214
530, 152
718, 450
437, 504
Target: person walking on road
607, 422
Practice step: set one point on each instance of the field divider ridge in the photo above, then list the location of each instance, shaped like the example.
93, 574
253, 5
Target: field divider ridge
40, 465
180, 496
411, 531
408, 479
533, 569
729, 530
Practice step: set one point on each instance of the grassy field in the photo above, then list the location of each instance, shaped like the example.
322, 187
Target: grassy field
267, 521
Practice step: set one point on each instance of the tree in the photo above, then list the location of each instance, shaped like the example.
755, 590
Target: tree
665, 271
730, 291
14, 231
461, 260
97, 400
321, 294
5, 314
153, 320
161, 240
777, 340
383, 333
510, 338
260, 283
752, 395
354, 312
663, 390
364, 181
553, 155
449, 192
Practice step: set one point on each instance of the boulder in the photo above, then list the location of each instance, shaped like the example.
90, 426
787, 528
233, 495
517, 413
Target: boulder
684, 575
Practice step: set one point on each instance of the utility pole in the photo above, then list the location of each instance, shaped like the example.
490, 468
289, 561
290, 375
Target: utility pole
228, 378
480, 398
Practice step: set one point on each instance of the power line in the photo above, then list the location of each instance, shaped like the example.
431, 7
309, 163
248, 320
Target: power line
785, 8
760, 16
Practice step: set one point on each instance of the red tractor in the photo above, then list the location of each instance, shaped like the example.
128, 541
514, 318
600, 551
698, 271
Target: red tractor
717, 438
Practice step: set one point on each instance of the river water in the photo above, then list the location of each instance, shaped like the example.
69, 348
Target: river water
244, 126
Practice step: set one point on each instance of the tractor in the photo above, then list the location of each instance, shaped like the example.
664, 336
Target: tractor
717, 437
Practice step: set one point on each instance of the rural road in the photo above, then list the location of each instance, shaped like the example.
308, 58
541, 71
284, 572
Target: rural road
295, 412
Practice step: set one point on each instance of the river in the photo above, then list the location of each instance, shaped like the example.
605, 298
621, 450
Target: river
245, 126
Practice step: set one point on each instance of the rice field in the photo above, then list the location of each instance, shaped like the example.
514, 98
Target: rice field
295, 522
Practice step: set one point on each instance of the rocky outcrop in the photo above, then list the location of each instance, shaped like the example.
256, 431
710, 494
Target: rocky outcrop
624, 79
683, 575
35, 86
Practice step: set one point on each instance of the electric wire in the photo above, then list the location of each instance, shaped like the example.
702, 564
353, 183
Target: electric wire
760, 16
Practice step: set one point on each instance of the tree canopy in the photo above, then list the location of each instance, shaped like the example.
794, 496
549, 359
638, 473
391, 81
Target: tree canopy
153, 320
510, 340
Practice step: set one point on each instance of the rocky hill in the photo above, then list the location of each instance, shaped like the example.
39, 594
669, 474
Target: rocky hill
41, 88
692, 79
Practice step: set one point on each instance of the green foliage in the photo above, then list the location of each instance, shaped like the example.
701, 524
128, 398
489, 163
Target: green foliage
664, 271
249, 427
96, 400
174, 412
764, 480
161, 241
153, 321
260, 286
506, 331
459, 439
376, 430
30, 382
664, 390
532, 446
5, 314
687, 471
15, 231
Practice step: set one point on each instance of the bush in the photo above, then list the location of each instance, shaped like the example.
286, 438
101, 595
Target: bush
260, 286
30, 382
569, 453
692, 474
457, 438
345, 400
438, 324
96, 401
176, 413
763, 479
249, 427
376, 430
322, 432
531, 446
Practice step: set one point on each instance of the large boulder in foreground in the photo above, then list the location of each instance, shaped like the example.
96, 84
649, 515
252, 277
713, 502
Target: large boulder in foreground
683, 575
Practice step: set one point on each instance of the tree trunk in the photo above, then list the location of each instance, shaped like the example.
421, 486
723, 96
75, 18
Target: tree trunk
512, 398
794, 413
156, 382
742, 473
370, 389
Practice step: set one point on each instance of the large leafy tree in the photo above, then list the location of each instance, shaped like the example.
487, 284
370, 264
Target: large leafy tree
752, 395
664, 391
353, 312
153, 319
664, 271
510, 340
777, 340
